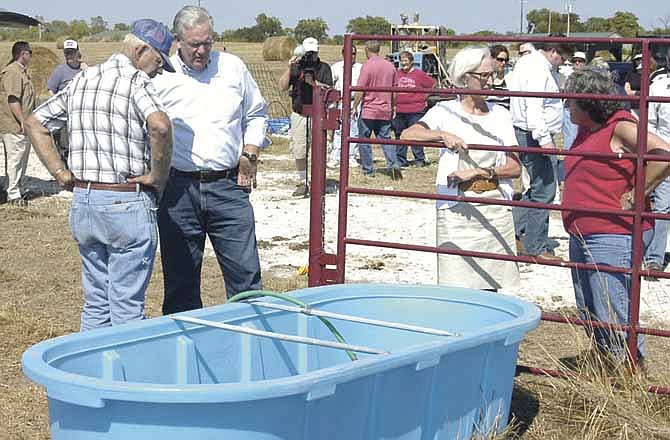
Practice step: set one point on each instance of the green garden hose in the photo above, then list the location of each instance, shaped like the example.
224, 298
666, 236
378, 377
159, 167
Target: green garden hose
327, 323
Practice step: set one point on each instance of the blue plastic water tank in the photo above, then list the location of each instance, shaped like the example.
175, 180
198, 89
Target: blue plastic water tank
162, 379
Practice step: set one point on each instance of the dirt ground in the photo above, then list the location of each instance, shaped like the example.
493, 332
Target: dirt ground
40, 298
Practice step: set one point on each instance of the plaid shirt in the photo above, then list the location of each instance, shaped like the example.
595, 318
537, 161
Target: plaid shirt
106, 109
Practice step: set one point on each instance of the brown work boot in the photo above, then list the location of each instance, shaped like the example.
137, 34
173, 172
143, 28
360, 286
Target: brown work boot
520, 249
301, 190
546, 255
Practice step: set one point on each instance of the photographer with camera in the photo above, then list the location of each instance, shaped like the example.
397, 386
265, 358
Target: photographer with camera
304, 72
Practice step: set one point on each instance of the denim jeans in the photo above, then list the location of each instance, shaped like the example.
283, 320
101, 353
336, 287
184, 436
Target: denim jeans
532, 224
400, 123
116, 234
382, 130
605, 297
661, 196
337, 143
569, 130
192, 209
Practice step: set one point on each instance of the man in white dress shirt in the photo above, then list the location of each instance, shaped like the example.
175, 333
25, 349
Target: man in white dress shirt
535, 122
219, 117
659, 123
338, 83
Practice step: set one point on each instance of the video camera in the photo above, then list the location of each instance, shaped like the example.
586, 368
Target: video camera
307, 66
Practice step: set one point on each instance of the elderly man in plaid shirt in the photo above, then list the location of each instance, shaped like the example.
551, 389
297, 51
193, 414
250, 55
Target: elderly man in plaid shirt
120, 150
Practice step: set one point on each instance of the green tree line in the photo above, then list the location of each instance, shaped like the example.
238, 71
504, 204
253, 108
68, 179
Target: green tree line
540, 21
626, 24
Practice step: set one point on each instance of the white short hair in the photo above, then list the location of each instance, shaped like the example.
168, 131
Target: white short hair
466, 60
189, 17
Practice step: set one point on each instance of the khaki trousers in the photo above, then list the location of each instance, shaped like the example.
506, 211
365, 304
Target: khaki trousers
17, 150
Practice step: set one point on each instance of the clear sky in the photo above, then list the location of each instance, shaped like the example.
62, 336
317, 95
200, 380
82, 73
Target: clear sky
463, 15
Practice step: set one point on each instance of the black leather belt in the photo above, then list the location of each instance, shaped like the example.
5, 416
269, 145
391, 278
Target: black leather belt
205, 175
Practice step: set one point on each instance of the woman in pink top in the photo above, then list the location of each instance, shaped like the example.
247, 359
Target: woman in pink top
410, 107
591, 182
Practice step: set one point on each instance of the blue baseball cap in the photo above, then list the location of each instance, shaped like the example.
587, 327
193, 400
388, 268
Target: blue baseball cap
156, 35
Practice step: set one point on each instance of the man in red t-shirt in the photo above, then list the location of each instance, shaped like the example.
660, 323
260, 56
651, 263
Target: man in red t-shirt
377, 110
410, 107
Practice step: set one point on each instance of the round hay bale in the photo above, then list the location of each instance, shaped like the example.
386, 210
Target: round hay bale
278, 48
41, 67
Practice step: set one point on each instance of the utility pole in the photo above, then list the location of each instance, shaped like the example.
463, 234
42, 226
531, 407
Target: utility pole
521, 16
569, 7
549, 29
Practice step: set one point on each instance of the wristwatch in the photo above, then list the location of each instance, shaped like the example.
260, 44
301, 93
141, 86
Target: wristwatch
251, 156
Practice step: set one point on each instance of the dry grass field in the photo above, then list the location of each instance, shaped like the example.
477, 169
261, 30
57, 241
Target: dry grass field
40, 298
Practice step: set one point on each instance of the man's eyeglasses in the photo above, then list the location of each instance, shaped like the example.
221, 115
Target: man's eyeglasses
502, 60
198, 44
482, 76
525, 52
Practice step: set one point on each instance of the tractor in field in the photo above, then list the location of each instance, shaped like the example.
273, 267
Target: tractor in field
429, 56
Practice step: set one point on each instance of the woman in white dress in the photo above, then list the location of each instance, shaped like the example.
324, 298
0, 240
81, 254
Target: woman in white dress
467, 120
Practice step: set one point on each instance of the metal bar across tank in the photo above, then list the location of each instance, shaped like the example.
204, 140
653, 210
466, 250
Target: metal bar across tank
280, 336
361, 320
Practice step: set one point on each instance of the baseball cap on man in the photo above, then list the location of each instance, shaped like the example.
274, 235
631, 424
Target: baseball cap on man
156, 35
579, 56
310, 44
70, 44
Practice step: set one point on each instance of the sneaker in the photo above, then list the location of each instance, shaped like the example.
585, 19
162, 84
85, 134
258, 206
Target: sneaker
396, 174
301, 190
369, 175
333, 164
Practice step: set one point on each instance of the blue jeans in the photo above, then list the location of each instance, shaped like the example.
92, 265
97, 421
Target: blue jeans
337, 143
192, 209
605, 297
569, 130
661, 196
116, 234
400, 123
532, 224
382, 130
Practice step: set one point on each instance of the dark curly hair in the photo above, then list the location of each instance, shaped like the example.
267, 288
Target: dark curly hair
590, 80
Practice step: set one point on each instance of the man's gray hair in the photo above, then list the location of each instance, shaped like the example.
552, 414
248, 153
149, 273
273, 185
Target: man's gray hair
466, 60
373, 46
590, 80
189, 17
